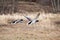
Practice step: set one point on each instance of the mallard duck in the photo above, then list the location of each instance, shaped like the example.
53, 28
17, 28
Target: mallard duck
17, 21
31, 21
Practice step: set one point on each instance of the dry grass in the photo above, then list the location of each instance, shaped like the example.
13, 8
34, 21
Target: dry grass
45, 29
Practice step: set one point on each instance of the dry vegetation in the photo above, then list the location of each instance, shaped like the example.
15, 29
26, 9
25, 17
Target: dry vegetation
48, 27
45, 29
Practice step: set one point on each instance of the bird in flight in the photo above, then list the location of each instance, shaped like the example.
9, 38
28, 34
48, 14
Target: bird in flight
17, 21
31, 21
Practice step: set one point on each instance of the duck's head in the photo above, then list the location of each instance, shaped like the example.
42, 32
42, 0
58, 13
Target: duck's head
21, 20
37, 20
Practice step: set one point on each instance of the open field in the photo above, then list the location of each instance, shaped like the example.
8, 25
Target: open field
48, 28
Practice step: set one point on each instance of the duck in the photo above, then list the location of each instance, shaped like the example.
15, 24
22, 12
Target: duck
17, 21
32, 21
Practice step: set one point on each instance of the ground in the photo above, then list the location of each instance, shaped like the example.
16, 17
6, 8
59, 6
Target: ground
48, 27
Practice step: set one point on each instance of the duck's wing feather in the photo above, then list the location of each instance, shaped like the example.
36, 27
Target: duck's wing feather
28, 18
37, 16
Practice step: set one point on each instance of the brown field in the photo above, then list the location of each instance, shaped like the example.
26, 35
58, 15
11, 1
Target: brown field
48, 28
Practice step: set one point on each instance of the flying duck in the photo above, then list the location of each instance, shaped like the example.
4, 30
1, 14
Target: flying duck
17, 21
31, 21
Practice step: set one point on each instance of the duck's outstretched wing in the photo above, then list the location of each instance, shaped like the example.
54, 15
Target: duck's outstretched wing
28, 18
37, 16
